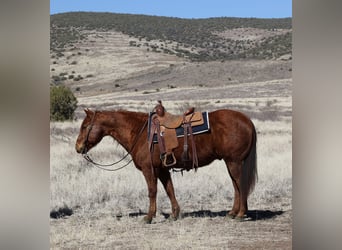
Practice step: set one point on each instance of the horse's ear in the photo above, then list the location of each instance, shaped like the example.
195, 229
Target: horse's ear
87, 111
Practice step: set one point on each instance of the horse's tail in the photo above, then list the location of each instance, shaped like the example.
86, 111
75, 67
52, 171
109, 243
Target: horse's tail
249, 168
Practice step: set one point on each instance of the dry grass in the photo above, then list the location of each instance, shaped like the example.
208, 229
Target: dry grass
105, 231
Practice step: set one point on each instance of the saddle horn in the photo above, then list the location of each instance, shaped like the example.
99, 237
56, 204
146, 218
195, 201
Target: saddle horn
160, 110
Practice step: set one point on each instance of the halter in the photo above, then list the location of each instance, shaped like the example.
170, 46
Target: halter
98, 165
89, 128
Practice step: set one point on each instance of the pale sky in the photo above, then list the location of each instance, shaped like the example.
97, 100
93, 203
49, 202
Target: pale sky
180, 8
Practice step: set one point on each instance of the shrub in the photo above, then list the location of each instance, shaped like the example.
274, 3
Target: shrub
79, 77
62, 103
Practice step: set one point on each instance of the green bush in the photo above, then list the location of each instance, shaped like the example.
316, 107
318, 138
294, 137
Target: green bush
62, 103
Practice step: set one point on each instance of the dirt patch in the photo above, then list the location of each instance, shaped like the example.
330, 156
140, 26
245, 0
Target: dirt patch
196, 230
252, 34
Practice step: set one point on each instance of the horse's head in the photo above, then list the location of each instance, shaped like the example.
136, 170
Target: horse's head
90, 134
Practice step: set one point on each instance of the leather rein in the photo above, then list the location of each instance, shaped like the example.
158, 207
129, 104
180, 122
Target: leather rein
101, 166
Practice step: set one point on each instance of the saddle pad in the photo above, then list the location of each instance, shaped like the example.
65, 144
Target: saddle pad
205, 127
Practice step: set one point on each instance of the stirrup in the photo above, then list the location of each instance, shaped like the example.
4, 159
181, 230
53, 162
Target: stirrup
168, 160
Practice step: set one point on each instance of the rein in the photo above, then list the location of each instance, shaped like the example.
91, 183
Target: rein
101, 166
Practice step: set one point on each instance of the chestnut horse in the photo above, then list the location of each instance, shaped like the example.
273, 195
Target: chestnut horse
232, 137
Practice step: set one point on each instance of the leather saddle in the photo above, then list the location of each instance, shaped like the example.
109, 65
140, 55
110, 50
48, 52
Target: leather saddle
164, 124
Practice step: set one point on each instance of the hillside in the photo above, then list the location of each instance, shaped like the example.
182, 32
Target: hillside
196, 39
102, 52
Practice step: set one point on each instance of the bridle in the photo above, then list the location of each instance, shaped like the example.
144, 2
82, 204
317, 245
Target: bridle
101, 166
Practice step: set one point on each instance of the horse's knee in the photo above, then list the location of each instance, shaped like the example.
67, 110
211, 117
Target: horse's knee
152, 194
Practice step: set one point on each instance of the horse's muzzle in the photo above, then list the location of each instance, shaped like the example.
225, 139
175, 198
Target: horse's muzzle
80, 148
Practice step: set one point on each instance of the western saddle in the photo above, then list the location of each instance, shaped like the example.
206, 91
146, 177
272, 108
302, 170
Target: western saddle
164, 125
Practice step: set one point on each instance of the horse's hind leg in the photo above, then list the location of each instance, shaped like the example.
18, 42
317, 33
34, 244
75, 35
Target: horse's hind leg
240, 200
166, 180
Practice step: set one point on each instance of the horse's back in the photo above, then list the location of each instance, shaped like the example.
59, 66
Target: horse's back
230, 118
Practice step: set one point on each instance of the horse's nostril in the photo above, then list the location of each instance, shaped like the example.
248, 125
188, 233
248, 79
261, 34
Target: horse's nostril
79, 148
84, 150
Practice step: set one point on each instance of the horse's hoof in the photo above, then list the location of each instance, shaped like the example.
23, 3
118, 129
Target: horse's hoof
147, 220
172, 218
230, 216
243, 218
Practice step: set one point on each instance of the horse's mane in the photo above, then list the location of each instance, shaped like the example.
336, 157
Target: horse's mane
123, 111
131, 114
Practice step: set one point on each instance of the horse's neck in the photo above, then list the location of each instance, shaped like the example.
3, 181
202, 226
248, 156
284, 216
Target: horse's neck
124, 127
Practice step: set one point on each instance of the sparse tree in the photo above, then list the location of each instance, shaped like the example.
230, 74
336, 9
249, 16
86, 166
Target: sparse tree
62, 103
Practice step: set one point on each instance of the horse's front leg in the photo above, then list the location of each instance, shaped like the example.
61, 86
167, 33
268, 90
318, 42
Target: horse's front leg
151, 181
